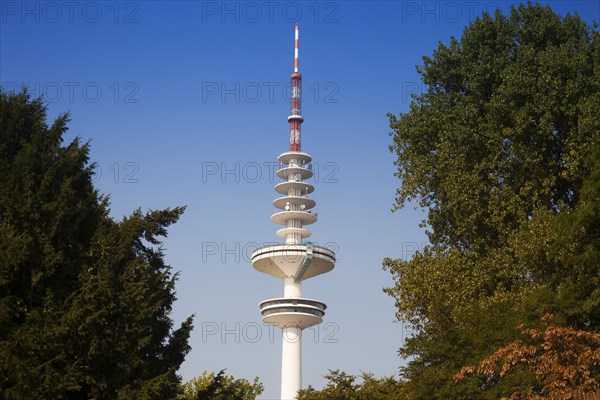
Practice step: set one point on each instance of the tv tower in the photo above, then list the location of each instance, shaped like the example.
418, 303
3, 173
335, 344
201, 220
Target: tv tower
295, 260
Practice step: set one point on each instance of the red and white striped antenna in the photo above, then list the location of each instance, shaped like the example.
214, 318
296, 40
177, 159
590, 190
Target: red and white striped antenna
296, 52
295, 118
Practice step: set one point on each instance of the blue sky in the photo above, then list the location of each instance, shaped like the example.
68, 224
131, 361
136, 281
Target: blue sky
185, 103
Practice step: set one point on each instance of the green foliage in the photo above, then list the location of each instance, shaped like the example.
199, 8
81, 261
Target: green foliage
503, 151
341, 386
84, 300
209, 386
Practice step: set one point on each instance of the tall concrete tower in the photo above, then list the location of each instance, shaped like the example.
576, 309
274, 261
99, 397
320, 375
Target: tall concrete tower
295, 260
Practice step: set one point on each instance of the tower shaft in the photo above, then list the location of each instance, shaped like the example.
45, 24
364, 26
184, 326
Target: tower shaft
291, 362
295, 260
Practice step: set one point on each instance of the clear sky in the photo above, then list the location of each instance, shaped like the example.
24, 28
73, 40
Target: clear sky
185, 103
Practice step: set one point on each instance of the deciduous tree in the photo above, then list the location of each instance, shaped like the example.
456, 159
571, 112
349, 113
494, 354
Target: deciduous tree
562, 359
502, 151
211, 386
342, 386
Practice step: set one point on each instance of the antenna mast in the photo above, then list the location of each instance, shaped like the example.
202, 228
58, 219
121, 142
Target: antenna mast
295, 118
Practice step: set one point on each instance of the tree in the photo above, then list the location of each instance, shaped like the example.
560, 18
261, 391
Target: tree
502, 150
341, 386
84, 300
209, 386
563, 360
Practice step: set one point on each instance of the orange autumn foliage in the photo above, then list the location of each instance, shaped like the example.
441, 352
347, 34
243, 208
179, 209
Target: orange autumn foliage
563, 360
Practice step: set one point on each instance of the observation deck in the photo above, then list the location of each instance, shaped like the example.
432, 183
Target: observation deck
292, 311
286, 261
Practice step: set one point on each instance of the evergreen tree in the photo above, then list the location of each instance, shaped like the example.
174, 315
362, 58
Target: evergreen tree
85, 301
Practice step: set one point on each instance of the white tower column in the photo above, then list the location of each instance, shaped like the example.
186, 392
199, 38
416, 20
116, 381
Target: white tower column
291, 353
295, 260
291, 288
291, 363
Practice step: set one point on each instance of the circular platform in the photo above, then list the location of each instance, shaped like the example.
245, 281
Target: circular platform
284, 216
301, 157
300, 200
282, 233
285, 260
291, 171
284, 187
292, 312
296, 117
